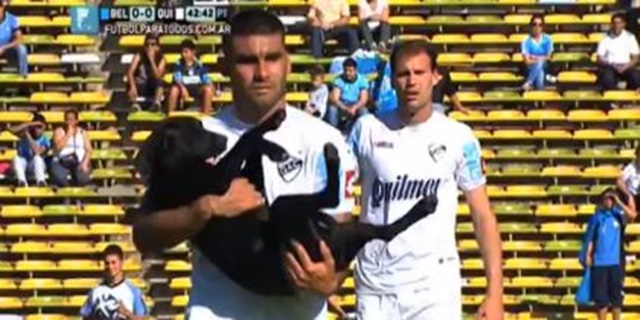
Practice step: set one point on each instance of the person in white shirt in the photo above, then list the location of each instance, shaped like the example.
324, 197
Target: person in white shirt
629, 181
319, 93
404, 155
374, 16
257, 63
618, 55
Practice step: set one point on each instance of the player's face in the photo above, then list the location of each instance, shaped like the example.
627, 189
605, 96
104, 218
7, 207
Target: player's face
413, 80
258, 69
113, 266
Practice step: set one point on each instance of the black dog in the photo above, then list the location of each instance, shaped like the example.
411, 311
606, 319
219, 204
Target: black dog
180, 161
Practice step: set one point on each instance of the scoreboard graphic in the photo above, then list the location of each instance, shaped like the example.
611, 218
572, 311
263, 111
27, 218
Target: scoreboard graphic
204, 17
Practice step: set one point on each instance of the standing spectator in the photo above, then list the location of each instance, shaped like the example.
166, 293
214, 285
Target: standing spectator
604, 254
32, 147
115, 298
11, 46
444, 87
145, 73
319, 94
374, 16
72, 153
629, 181
330, 19
618, 56
190, 79
349, 95
536, 50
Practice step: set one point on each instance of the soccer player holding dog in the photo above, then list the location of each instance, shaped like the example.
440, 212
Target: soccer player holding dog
257, 63
405, 154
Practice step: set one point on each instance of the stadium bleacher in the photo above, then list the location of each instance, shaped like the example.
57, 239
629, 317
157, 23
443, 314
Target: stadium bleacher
548, 153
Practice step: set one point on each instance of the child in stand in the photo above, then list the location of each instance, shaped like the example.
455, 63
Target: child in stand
319, 94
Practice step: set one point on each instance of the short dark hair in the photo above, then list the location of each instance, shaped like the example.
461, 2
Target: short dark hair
113, 250
413, 47
536, 16
253, 22
38, 117
188, 44
619, 15
317, 70
349, 62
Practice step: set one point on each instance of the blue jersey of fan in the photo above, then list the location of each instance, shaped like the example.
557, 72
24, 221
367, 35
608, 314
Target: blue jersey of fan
103, 301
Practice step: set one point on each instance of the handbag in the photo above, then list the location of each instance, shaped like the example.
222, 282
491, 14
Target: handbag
583, 294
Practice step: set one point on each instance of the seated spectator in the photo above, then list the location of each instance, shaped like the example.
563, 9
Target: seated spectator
349, 96
330, 19
190, 79
32, 148
443, 88
71, 153
618, 56
144, 77
374, 16
319, 94
628, 181
115, 297
536, 51
11, 46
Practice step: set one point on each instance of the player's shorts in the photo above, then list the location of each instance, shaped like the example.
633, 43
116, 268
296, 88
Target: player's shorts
440, 299
607, 286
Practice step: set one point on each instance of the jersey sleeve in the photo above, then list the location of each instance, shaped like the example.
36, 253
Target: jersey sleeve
139, 307
348, 175
469, 167
87, 308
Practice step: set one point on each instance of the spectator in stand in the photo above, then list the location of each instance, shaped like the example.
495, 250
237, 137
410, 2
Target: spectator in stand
618, 56
115, 297
11, 46
190, 79
629, 181
349, 96
536, 51
374, 17
145, 74
71, 153
32, 148
319, 94
330, 19
443, 88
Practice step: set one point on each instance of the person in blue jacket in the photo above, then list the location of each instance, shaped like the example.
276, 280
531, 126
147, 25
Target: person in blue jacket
603, 252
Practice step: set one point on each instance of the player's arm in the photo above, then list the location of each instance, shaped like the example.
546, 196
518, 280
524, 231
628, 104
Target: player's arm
154, 230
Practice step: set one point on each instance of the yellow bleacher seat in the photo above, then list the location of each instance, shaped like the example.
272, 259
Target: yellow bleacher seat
621, 95
477, 282
463, 76
525, 190
556, 210
40, 284
530, 282
448, 58
509, 115
177, 265
45, 77
406, 20
624, 114
109, 229
444, 19
6, 285
562, 171
67, 229
517, 37
551, 134
450, 38
30, 247
586, 209
565, 264
102, 210
76, 301
545, 114
490, 57
35, 265
34, 192
576, 76
180, 301
598, 18
140, 136
498, 76
25, 229
543, 95
517, 18
468, 245
20, 211
592, 134
525, 264
632, 228
49, 97
568, 37
180, 283
586, 115
604, 171
75, 40
97, 97
560, 227
521, 246
43, 59
10, 303
15, 116
79, 265
8, 137
488, 38
126, 246
77, 247
46, 317
472, 264
511, 134
559, 18
80, 283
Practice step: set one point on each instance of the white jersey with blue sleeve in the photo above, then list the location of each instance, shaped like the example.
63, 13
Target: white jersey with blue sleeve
213, 294
103, 301
400, 164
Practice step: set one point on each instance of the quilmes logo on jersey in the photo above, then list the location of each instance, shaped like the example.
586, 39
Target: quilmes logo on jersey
403, 188
290, 168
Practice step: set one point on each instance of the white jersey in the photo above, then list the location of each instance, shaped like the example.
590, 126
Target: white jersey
103, 301
631, 177
399, 164
214, 295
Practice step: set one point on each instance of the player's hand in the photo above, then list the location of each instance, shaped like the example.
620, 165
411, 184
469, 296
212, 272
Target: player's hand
491, 308
306, 274
240, 198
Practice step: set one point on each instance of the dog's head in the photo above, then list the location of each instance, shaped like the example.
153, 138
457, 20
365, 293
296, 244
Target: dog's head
178, 149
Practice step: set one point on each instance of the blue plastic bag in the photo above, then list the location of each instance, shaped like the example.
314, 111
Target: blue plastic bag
583, 294
383, 94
